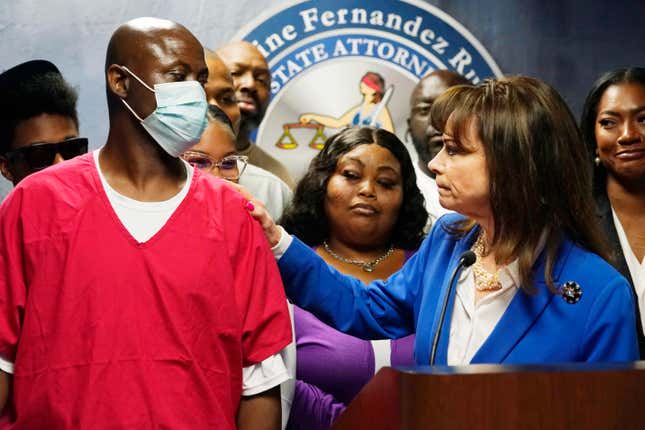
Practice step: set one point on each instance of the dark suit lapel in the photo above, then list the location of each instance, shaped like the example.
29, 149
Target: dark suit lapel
606, 219
521, 313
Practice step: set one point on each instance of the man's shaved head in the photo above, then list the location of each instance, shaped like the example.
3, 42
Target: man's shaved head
138, 37
216, 64
235, 48
156, 51
220, 90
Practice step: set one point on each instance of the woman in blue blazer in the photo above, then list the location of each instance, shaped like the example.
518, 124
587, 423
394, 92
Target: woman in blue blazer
536, 328
514, 165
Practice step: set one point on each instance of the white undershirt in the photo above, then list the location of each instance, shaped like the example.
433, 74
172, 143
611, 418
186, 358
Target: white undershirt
143, 219
636, 268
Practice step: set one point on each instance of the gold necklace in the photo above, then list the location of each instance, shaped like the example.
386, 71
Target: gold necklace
484, 280
367, 266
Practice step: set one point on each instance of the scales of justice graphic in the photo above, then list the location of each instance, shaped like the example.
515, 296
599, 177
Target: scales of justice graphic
287, 141
371, 111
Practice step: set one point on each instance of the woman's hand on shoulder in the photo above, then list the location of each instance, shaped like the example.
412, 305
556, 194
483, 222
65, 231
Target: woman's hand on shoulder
260, 213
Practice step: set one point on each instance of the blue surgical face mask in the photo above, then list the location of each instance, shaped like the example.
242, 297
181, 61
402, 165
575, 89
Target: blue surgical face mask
180, 117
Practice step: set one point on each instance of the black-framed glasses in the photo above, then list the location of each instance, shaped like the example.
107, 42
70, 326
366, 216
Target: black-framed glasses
230, 167
42, 154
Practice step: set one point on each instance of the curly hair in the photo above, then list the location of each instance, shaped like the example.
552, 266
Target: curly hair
31, 89
306, 217
634, 75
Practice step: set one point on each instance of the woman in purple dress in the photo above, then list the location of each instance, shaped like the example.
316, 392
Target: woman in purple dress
359, 207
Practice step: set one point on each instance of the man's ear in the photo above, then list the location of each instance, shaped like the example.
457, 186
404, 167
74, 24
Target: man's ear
118, 80
4, 169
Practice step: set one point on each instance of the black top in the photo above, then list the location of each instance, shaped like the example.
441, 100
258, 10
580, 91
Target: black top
618, 258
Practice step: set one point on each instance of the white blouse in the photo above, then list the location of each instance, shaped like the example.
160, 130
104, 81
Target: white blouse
471, 323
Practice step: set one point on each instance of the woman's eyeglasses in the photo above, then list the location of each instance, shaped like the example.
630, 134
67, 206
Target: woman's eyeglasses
230, 167
40, 155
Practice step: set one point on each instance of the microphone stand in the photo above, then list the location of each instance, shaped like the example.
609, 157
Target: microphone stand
466, 259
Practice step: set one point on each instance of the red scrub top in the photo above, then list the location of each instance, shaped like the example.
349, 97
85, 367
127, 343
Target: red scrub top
108, 333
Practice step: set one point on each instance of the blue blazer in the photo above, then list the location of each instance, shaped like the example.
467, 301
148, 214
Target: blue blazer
535, 328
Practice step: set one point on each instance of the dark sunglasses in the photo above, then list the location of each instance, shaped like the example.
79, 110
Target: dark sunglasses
41, 155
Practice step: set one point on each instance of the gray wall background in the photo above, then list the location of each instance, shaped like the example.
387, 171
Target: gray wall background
567, 43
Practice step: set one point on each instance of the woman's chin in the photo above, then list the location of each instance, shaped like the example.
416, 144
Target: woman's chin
364, 236
447, 204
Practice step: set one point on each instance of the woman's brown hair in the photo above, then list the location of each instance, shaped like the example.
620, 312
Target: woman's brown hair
540, 180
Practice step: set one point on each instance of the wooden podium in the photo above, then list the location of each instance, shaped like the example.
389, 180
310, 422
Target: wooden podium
567, 396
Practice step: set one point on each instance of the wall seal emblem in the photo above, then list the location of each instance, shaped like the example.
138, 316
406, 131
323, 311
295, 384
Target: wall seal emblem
341, 62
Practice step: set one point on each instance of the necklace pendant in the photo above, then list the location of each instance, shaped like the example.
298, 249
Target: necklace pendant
367, 267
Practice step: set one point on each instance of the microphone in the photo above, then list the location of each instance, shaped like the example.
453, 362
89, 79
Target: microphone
466, 259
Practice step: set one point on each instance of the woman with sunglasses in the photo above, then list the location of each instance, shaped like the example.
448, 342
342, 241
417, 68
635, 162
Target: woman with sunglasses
39, 124
215, 154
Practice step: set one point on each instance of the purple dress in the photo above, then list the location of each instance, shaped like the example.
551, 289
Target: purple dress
331, 369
